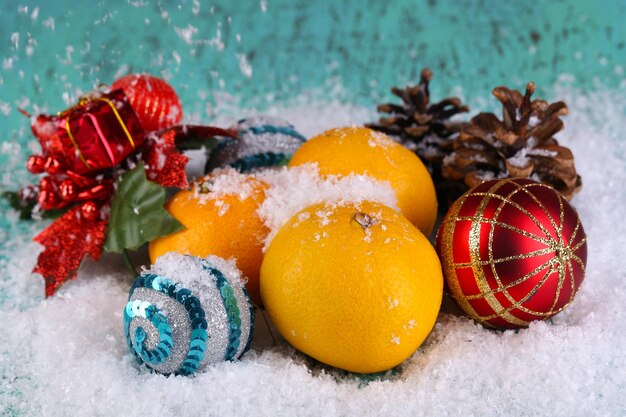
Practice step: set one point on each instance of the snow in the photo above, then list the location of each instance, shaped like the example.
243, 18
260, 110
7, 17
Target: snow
289, 190
67, 356
293, 189
224, 182
189, 271
244, 65
543, 152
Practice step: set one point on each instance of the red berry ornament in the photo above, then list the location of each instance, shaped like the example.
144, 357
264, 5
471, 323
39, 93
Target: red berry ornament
154, 101
35, 164
512, 251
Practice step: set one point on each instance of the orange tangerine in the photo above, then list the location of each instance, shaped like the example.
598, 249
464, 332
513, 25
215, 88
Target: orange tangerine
355, 286
219, 213
359, 150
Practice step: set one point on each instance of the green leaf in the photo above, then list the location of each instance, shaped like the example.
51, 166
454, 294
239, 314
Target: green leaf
196, 142
137, 213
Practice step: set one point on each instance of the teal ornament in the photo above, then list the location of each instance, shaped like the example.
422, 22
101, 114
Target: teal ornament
261, 142
187, 312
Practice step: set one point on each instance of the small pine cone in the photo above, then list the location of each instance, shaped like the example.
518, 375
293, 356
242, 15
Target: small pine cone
419, 123
521, 145
425, 128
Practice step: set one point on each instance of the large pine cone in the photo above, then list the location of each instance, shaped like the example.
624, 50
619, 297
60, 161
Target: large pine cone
521, 145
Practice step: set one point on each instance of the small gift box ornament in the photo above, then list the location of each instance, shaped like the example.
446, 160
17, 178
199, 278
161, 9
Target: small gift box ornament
96, 134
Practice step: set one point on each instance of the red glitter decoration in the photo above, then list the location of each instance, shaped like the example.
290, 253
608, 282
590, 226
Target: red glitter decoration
98, 133
86, 147
155, 102
165, 165
66, 243
58, 191
513, 251
35, 164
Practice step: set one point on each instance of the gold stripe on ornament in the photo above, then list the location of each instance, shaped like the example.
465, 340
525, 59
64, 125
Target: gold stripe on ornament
562, 214
479, 274
510, 227
563, 248
514, 303
557, 228
578, 261
562, 269
161, 116
559, 248
574, 232
578, 246
520, 208
155, 107
146, 104
119, 119
76, 148
502, 288
448, 265
507, 258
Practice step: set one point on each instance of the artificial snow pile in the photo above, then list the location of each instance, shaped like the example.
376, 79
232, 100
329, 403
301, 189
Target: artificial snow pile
290, 190
192, 274
294, 189
67, 355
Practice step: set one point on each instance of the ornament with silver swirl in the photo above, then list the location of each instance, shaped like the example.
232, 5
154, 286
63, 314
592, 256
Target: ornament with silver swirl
188, 312
261, 142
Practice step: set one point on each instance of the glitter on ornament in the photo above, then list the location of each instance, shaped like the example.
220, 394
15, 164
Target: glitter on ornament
154, 101
97, 133
187, 312
513, 251
261, 142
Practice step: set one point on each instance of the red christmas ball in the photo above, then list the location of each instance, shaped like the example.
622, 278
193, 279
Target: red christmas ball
89, 210
35, 164
154, 101
67, 190
512, 251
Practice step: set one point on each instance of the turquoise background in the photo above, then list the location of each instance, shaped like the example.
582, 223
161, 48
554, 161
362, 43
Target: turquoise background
298, 45
233, 54
254, 53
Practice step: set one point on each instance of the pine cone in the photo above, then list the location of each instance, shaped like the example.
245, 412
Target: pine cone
426, 129
521, 145
427, 126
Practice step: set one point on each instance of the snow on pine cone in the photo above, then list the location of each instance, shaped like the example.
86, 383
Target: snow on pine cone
521, 145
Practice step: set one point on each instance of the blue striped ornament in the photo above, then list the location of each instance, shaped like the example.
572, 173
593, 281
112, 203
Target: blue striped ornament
261, 142
178, 329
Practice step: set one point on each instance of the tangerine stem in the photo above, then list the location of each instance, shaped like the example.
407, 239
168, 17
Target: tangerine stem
364, 220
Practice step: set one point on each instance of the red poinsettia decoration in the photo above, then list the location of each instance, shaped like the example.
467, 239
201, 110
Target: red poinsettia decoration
91, 152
